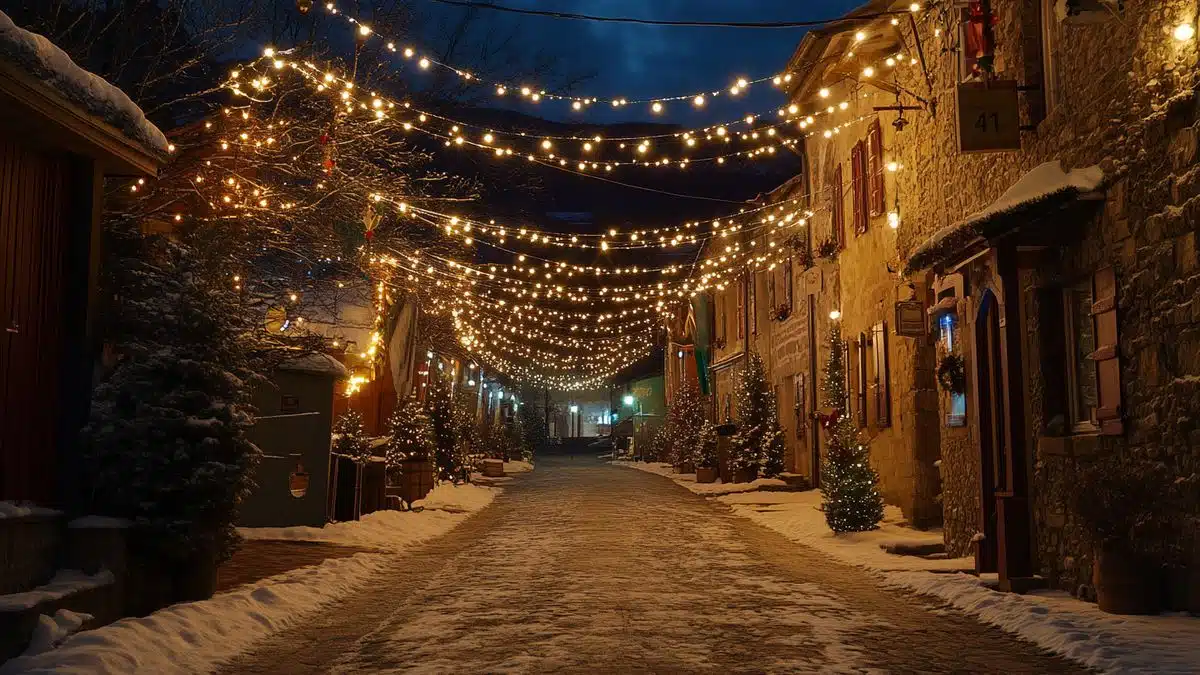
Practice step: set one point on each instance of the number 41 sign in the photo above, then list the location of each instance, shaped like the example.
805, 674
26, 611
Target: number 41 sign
989, 118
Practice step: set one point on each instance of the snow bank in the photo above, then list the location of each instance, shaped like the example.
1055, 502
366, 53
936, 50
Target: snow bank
316, 363
51, 631
195, 637
688, 480
48, 63
64, 583
1055, 621
518, 466
23, 510
390, 530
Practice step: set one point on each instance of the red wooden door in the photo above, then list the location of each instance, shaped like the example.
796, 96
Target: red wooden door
33, 241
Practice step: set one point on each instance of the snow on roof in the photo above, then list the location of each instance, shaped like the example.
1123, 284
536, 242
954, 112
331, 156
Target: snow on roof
1045, 185
320, 364
51, 65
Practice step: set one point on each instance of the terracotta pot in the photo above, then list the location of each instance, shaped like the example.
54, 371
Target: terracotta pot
745, 475
706, 474
1124, 584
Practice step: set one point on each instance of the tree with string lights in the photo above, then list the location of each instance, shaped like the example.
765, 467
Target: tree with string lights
410, 437
685, 417
351, 437
849, 486
756, 414
447, 459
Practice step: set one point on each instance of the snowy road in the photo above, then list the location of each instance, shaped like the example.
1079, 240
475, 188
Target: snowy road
582, 567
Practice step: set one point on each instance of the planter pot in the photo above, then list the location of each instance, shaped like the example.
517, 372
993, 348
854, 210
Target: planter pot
1124, 584
197, 578
706, 474
745, 475
688, 467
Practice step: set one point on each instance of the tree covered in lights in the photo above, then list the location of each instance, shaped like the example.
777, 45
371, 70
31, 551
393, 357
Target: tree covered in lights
352, 438
498, 443
535, 436
756, 416
849, 485
685, 417
410, 436
447, 456
706, 447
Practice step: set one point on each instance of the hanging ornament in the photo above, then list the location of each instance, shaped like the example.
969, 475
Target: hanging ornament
303, 6
370, 221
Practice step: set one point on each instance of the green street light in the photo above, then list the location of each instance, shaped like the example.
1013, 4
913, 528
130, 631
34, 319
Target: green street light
629, 399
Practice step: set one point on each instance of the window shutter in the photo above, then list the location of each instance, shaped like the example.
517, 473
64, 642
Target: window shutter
875, 168
858, 187
883, 394
860, 380
838, 208
741, 308
1108, 365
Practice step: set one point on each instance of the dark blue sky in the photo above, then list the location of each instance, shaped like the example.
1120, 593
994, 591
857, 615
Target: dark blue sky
639, 61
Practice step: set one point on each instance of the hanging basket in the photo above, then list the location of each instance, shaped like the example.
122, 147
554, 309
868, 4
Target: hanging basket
952, 375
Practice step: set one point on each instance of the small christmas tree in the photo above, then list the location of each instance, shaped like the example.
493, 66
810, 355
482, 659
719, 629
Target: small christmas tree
685, 417
441, 419
352, 437
533, 425
497, 443
706, 447
411, 436
756, 415
852, 502
773, 447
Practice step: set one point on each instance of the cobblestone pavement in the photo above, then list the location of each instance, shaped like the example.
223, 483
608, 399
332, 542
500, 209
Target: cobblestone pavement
585, 568
259, 559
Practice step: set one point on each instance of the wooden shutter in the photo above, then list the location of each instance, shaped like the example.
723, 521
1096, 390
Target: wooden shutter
883, 394
1108, 365
860, 380
838, 208
858, 186
875, 169
741, 308
787, 282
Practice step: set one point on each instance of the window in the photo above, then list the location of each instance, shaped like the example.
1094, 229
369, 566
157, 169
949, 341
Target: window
740, 289
858, 186
860, 379
948, 335
1081, 342
1051, 29
875, 169
837, 208
883, 394
787, 282
752, 279
799, 405
719, 318
771, 304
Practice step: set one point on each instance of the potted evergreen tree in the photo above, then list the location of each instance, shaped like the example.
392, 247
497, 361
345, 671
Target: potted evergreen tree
684, 420
706, 454
1125, 506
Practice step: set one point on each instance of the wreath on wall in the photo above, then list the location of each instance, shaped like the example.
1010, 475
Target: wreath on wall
952, 374
828, 249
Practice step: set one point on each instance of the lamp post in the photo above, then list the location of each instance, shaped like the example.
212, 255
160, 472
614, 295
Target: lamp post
574, 410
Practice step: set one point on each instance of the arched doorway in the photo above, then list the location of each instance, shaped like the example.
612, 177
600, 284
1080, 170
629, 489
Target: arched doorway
989, 397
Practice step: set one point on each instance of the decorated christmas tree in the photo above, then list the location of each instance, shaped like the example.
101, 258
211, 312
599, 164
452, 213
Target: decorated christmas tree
466, 434
441, 419
411, 436
352, 437
533, 425
498, 441
706, 447
773, 446
756, 416
685, 417
852, 502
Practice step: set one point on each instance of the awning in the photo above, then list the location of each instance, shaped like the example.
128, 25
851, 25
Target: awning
1045, 189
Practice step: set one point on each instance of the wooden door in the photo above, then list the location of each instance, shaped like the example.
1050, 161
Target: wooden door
34, 244
989, 397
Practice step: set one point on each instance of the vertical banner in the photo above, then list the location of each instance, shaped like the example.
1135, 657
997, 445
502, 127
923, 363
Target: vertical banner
702, 313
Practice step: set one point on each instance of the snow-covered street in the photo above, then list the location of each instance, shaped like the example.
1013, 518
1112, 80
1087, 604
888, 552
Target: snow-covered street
583, 567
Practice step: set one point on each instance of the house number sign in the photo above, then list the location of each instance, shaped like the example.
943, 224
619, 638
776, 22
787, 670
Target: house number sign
989, 117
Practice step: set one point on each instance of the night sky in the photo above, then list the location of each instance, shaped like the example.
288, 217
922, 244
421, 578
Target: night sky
639, 61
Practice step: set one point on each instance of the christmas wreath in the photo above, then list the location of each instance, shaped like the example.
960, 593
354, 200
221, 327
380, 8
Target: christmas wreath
952, 375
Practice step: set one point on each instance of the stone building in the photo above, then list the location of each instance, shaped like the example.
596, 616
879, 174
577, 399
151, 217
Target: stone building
1027, 180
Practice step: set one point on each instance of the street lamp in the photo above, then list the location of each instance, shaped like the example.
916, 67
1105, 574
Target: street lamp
629, 399
574, 409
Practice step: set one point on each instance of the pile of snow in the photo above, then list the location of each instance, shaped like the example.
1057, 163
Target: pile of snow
317, 364
195, 637
390, 530
38, 56
24, 510
64, 583
688, 480
51, 631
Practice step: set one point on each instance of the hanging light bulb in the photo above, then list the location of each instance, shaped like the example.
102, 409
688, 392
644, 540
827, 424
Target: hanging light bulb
698, 101
303, 6
1184, 32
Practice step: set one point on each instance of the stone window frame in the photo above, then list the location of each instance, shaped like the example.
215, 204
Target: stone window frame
1050, 26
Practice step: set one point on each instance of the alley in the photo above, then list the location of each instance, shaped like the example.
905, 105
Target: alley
583, 567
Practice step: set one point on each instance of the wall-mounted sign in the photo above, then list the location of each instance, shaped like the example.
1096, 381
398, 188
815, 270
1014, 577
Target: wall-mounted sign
289, 403
989, 118
910, 318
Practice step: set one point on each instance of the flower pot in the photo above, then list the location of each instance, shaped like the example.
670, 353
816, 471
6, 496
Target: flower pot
688, 467
745, 475
1124, 584
706, 474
